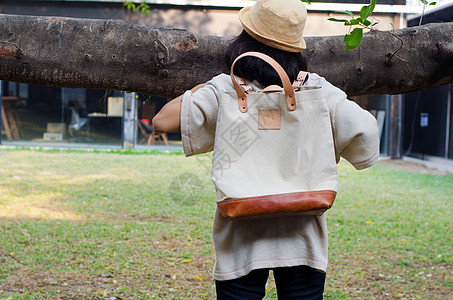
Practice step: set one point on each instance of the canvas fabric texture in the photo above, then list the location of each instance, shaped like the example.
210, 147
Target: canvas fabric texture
242, 246
297, 157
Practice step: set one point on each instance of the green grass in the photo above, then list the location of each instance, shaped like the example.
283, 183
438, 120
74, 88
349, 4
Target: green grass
97, 225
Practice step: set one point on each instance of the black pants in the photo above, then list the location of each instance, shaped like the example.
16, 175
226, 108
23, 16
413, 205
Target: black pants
299, 282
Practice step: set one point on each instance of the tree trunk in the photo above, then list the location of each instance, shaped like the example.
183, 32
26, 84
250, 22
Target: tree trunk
116, 55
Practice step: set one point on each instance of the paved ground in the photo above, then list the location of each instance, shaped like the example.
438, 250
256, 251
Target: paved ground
419, 166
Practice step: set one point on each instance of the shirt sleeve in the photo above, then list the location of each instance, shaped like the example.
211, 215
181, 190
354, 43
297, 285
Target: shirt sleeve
355, 130
357, 135
198, 119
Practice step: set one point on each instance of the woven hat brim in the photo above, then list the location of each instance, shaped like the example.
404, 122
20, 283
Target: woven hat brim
272, 42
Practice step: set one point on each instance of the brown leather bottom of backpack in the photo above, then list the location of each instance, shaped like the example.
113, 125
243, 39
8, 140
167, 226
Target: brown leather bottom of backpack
278, 205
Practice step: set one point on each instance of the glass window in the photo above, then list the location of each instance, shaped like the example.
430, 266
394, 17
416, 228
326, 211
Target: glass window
425, 122
39, 114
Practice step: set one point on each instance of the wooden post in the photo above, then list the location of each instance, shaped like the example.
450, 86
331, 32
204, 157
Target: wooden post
395, 126
129, 121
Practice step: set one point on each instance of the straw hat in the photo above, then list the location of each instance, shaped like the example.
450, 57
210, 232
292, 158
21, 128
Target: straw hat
276, 23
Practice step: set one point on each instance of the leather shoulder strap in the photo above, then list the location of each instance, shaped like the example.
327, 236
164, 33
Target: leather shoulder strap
243, 84
302, 77
300, 80
287, 87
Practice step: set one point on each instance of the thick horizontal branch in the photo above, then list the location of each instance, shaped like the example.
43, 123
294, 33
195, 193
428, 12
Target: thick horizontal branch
424, 61
116, 55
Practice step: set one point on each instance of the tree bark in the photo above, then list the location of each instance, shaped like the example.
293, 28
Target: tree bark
116, 55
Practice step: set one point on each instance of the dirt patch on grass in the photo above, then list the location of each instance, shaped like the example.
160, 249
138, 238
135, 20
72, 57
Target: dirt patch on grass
178, 282
148, 284
52, 285
410, 166
164, 279
164, 274
355, 278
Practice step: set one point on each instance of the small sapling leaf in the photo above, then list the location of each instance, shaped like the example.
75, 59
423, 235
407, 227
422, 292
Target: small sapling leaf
353, 39
354, 22
348, 12
337, 20
366, 11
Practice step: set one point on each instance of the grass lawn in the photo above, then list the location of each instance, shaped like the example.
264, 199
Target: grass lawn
81, 225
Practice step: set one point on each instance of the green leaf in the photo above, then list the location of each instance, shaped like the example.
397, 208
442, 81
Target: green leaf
366, 11
353, 39
424, 2
144, 8
366, 23
337, 20
345, 12
433, 3
354, 22
129, 5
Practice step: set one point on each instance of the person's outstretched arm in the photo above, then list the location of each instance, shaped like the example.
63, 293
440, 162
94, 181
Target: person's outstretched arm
168, 118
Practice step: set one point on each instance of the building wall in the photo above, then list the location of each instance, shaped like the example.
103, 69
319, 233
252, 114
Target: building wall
212, 21
225, 22
67, 9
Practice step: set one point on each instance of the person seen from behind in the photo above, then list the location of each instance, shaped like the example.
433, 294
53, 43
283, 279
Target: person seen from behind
295, 248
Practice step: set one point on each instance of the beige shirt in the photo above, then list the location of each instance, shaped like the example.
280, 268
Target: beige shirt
242, 246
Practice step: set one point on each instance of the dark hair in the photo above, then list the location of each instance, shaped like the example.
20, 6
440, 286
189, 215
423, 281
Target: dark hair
252, 68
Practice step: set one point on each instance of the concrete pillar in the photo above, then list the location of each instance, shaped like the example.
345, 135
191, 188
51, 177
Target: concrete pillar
395, 136
129, 121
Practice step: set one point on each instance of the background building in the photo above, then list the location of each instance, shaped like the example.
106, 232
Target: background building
428, 114
49, 116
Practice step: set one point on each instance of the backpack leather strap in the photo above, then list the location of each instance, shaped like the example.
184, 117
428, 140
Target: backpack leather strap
287, 87
302, 77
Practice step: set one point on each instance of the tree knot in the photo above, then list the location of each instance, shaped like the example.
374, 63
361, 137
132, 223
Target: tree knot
388, 59
439, 46
9, 53
186, 46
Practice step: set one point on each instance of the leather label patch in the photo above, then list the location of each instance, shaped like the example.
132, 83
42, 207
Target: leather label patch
269, 119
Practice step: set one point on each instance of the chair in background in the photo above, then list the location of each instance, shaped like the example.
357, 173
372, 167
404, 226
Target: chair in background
9, 128
145, 127
146, 132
